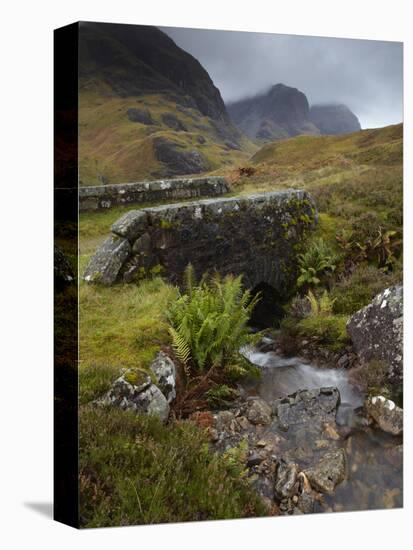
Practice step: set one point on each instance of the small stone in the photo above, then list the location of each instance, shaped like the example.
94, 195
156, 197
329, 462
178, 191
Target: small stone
262, 443
254, 459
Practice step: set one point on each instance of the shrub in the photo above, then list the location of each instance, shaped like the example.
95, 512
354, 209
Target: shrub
316, 264
209, 321
358, 289
220, 396
134, 470
329, 330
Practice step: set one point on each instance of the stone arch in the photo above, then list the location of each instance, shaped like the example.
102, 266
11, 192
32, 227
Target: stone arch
255, 235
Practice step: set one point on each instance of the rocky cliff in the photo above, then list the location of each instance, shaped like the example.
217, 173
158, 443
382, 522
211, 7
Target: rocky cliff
284, 112
147, 108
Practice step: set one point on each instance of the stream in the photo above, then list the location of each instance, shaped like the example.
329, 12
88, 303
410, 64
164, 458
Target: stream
374, 458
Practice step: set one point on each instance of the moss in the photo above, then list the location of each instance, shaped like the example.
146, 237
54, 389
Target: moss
330, 330
136, 377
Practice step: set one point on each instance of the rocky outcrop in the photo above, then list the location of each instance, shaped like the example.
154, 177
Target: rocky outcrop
387, 415
255, 236
376, 332
178, 160
135, 390
143, 116
280, 113
334, 119
106, 196
284, 112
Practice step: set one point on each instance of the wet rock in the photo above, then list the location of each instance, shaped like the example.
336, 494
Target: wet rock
394, 455
258, 411
377, 331
135, 391
328, 472
108, 260
307, 406
286, 479
386, 414
165, 373
254, 459
143, 116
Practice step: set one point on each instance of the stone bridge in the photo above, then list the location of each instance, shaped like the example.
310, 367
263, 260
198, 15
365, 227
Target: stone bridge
102, 197
256, 236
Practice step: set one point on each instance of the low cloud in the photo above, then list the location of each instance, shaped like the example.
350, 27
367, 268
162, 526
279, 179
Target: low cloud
366, 75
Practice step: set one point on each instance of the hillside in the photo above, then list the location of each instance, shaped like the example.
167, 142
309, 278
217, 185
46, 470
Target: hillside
148, 109
284, 112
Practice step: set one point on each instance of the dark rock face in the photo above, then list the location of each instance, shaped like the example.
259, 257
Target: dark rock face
139, 115
377, 332
284, 112
136, 59
106, 196
334, 119
176, 159
255, 236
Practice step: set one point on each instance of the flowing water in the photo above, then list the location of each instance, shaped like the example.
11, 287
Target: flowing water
375, 463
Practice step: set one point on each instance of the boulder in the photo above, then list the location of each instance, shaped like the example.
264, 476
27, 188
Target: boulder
376, 332
165, 373
108, 260
386, 414
258, 411
328, 472
135, 391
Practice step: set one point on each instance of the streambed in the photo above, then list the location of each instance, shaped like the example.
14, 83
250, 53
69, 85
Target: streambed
374, 459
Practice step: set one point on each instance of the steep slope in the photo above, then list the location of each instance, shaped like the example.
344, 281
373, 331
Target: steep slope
284, 112
334, 119
147, 108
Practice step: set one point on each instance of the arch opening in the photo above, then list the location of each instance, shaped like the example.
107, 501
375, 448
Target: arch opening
269, 310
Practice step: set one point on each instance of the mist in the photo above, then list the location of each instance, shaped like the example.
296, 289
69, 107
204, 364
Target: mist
365, 75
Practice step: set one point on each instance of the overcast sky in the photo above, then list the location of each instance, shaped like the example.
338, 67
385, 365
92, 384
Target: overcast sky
366, 75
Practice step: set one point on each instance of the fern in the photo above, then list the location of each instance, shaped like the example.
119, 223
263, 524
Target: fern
208, 321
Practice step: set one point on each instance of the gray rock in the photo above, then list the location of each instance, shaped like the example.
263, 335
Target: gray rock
328, 472
165, 372
286, 479
377, 332
177, 160
131, 224
135, 391
108, 260
258, 412
139, 115
307, 406
386, 413
173, 122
